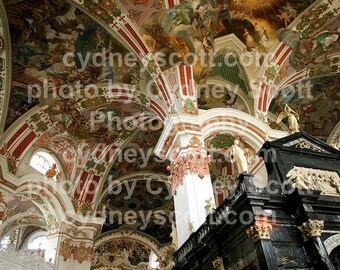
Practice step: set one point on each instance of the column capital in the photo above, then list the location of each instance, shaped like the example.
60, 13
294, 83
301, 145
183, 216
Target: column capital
259, 231
190, 160
218, 263
81, 251
311, 228
178, 131
75, 244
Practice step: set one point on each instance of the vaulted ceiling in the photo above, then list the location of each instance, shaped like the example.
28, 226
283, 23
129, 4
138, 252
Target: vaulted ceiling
305, 48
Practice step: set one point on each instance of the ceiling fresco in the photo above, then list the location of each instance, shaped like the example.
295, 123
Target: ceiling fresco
215, 96
141, 199
192, 26
42, 32
318, 109
125, 253
152, 202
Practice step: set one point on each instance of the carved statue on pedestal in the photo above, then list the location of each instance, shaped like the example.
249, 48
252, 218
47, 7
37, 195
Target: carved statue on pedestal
238, 156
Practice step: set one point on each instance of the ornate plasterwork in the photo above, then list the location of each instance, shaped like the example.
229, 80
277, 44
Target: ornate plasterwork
218, 263
3, 206
311, 228
81, 252
5, 66
332, 242
194, 162
259, 231
328, 182
130, 249
304, 144
307, 145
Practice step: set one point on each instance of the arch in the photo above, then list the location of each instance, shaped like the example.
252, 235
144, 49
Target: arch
5, 58
233, 121
20, 220
163, 252
281, 51
230, 86
120, 26
41, 158
31, 237
332, 242
50, 192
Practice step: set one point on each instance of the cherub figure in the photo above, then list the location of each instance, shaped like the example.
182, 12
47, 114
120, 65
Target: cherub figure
52, 171
209, 207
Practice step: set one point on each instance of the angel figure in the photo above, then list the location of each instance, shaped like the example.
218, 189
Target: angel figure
293, 118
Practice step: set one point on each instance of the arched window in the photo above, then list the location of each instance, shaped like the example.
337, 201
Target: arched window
37, 243
43, 162
4, 242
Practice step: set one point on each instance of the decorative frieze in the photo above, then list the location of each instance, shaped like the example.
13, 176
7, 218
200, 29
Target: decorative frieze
259, 231
81, 252
328, 182
311, 228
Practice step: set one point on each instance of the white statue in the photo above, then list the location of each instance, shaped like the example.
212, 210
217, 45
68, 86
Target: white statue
191, 227
238, 156
209, 207
293, 118
174, 235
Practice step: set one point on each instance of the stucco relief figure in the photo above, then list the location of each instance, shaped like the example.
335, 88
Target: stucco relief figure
293, 118
239, 157
209, 207
191, 227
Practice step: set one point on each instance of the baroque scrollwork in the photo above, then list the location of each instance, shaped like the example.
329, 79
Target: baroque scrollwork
327, 182
306, 145
81, 252
311, 228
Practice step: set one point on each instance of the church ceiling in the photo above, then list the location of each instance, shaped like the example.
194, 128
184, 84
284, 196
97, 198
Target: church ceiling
318, 108
192, 26
151, 201
43, 31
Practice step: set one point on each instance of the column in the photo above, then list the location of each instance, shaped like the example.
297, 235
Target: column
74, 246
192, 188
311, 233
259, 233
